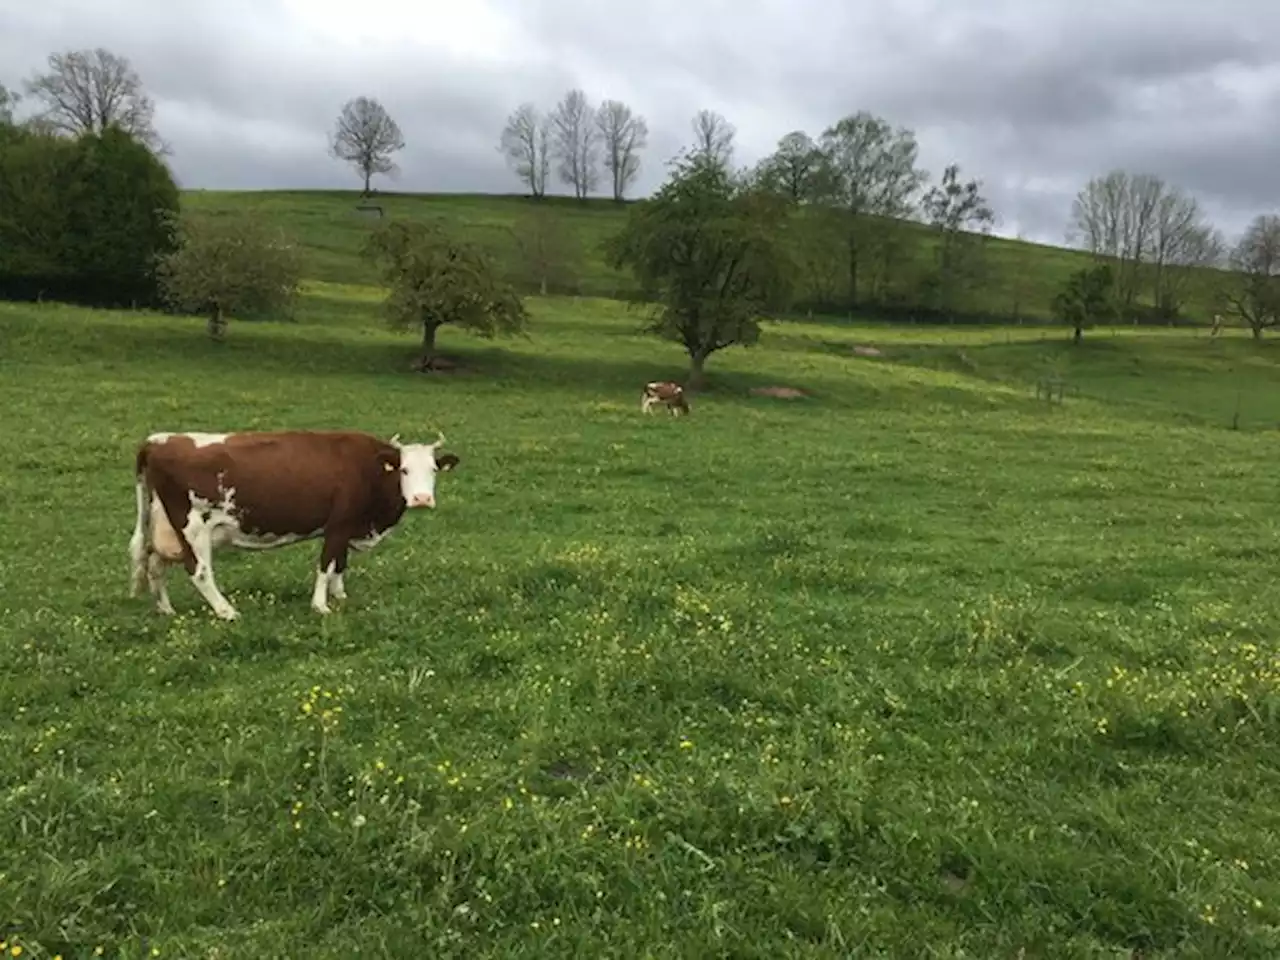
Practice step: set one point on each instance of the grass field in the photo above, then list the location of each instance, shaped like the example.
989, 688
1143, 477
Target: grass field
918, 666
1023, 277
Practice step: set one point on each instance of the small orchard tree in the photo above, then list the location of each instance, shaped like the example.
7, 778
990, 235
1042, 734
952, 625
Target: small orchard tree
437, 278
1087, 296
712, 251
228, 265
549, 253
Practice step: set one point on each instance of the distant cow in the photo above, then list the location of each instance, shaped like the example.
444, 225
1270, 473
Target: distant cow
664, 391
197, 492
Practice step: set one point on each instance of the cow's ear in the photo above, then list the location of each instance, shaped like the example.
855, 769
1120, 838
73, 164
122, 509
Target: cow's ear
389, 460
446, 461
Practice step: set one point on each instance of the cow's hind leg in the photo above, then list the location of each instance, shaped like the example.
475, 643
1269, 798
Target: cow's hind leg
157, 566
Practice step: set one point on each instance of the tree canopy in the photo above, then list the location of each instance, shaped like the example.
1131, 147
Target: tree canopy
228, 265
436, 278
710, 250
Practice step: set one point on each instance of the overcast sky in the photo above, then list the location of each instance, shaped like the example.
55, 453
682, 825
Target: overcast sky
1032, 96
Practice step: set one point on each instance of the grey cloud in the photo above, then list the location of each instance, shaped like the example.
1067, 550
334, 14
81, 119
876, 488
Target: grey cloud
1033, 98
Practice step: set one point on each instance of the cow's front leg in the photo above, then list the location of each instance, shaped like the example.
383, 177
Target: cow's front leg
333, 563
198, 558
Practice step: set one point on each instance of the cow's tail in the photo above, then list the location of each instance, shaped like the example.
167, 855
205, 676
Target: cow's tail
140, 542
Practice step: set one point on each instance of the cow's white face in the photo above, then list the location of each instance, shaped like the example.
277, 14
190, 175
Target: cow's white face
418, 469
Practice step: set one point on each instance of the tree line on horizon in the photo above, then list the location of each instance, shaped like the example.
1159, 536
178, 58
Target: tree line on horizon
856, 188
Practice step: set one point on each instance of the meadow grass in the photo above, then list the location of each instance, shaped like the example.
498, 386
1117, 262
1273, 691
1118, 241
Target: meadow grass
918, 666
1021, 277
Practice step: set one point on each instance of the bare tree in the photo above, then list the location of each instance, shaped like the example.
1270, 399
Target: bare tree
1150, 228
1115, 216
624, 134
365, 136
1181, 241
1253, 291
713, 137
873, 173
575, 143
526, 142
85, 91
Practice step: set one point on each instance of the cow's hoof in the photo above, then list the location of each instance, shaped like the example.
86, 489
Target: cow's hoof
321, 608
228, 614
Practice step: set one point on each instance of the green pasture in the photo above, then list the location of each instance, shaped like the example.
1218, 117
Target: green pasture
918, 665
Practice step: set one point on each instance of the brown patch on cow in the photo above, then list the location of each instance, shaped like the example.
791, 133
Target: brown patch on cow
782, 393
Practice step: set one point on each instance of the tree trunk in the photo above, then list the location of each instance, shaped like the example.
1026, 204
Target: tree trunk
853, 272
1257, 331
368, 175
217, 324
429, 329
1079, 334
697, 371
542, 286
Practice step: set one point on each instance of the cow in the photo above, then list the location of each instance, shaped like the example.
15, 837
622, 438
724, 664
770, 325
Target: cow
198, 492
664, 391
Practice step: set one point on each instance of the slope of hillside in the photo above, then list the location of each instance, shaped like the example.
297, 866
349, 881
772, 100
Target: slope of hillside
1021, 280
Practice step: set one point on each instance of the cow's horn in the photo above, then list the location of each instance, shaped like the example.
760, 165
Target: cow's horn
439, 439
395, 440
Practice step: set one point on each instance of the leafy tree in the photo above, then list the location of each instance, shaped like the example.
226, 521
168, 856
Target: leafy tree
365, 136
87, 91
1088, 295
122, 196
437, 278
872, 174
1252, 292
231, 264
8, 102
712, 251
797, 169
83, 219
35, 175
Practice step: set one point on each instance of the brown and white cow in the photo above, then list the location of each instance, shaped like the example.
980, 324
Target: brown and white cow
664, 391
197, 492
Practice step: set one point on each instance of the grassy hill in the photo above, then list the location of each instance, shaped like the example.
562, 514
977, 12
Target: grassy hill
1022, 279
916, 666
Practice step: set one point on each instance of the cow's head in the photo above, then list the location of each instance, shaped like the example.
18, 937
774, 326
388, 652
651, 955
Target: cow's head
419, 464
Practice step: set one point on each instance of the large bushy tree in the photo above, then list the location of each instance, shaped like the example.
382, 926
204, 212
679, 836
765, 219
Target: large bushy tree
711, 250
83, 219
